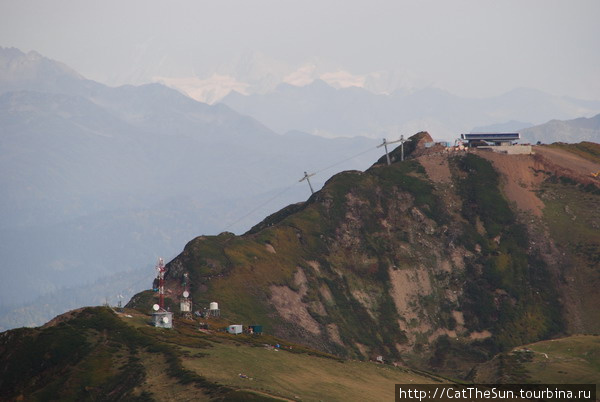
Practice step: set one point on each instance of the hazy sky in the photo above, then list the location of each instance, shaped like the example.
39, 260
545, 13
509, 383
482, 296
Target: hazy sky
470, 48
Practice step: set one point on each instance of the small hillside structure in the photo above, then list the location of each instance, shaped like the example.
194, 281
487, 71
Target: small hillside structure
234, 329
162, 319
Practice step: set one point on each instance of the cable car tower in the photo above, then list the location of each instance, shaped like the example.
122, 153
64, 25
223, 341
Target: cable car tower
307, 178
386, 143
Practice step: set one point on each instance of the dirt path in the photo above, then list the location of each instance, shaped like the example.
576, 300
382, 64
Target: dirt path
568, 160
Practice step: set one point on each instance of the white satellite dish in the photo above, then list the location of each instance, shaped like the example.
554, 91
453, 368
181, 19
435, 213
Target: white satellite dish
165, 319
186, 293
156, 307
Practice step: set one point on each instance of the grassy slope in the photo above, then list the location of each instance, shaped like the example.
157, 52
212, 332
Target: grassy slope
571, 360
570, 206
242, 270
308, 377
339, 240
287, 373
505, 265
97, 355
312, 375
587, 150
77, 359
575, 359
92, 355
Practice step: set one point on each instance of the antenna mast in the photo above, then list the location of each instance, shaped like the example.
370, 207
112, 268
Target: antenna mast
185, 303
160, 269
306, 177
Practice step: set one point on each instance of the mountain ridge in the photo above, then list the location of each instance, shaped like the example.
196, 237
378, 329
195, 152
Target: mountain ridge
442, 264
86, 166
425, 261
579, 129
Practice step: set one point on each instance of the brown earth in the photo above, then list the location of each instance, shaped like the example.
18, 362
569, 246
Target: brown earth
290, 306
437, 168
521, 175
567, 160
519, 178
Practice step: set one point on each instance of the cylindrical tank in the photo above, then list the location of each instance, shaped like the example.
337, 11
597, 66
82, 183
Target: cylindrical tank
214, 306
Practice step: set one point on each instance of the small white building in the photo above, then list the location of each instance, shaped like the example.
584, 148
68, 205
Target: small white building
234, 329
162, 319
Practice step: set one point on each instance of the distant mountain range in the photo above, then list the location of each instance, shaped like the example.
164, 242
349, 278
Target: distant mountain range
580, 129
509, 126
570, 131
319, 108
99, 180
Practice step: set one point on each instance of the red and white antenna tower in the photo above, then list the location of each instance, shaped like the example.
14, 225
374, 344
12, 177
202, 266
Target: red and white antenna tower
160, 269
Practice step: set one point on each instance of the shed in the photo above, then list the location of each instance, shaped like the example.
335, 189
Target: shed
234, 329
162, 319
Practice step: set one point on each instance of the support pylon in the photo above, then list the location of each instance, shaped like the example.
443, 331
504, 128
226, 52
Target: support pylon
306, 177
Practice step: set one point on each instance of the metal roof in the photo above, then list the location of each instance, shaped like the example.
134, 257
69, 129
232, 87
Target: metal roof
491, 136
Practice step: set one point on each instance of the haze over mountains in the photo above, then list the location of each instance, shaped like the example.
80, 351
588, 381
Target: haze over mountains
256, 73
321, 109
580, 129
99, 181
102, 180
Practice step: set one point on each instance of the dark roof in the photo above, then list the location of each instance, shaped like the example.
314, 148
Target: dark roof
491, 136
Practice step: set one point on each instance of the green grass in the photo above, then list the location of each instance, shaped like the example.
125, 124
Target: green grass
569, 206
571, 360
503, 263
288, 375
585, 149
92, 355
294, 370
575, 359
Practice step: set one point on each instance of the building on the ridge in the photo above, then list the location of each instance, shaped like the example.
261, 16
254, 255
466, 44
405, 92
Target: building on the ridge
498, 142
486, 139
162, 319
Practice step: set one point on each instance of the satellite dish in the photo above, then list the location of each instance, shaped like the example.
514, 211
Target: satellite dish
165, 319
156, 307
186, 293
